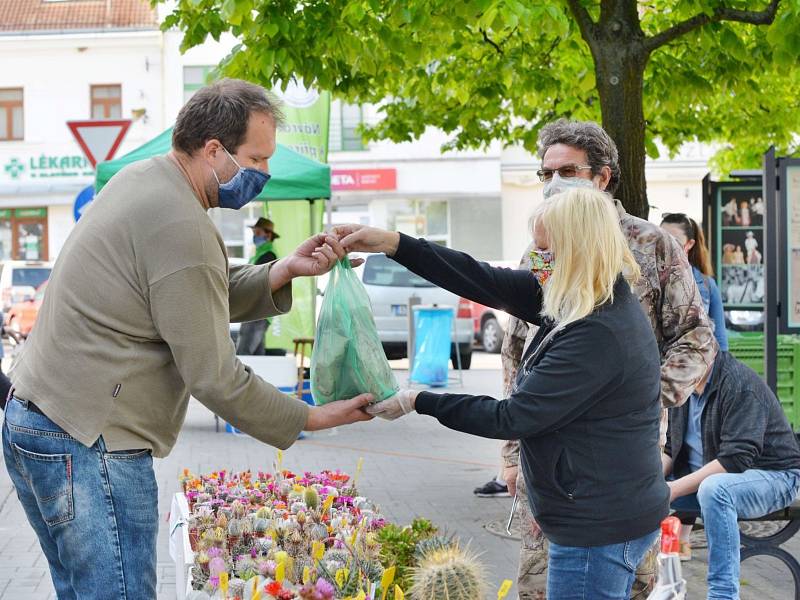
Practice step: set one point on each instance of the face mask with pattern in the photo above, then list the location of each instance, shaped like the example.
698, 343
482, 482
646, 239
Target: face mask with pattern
542, 265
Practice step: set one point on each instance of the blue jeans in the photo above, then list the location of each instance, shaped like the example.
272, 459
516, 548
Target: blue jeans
723, 499
597, 572
95, 512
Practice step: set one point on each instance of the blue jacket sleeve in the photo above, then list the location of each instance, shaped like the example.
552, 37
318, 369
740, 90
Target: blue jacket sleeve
717, 315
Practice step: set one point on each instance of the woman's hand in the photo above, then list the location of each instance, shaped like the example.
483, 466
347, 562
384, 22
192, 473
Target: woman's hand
360, 238
400, 404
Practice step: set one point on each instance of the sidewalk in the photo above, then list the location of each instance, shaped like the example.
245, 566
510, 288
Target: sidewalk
412, 467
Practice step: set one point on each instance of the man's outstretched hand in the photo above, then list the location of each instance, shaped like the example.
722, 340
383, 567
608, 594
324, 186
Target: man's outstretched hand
314, 257
341, 412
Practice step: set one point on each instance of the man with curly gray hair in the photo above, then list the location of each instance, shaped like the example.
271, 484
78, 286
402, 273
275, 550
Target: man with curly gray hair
581, 154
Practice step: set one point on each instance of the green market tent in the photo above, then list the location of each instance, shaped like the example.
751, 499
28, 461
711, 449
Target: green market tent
294, 177
296, 194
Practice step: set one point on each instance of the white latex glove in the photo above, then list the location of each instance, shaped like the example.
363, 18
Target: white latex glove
395, 407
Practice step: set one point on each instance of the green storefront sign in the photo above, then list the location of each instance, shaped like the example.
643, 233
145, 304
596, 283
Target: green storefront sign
23, 213
46, 166
30, 213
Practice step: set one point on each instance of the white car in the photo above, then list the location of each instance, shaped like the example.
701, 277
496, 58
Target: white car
389, 286
19, 280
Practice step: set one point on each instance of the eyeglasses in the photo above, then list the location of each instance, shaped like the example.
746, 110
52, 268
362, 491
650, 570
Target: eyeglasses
564, 172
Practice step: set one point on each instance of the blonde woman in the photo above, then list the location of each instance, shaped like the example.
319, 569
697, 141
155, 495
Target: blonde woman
586, 403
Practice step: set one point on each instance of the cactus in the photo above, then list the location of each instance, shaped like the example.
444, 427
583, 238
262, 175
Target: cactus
373, 570
222, 521
235, 528
238, 509
437, 542
262, 513
311, 498
318, 532
448, 572
236, 588
260, 527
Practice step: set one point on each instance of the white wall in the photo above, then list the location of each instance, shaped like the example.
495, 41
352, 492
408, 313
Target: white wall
60, 222
57, 70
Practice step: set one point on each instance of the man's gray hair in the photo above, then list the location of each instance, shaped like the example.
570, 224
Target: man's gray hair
601, 151
221, 111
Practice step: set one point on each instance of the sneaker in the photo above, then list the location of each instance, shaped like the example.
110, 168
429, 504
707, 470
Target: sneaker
685, 552
492, 489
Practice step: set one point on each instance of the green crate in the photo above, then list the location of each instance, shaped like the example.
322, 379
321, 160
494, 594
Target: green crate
749, 349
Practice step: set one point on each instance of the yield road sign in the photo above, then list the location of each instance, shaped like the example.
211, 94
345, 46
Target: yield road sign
99, 139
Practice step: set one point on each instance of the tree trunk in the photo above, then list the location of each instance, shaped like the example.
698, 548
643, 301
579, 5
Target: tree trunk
620, 60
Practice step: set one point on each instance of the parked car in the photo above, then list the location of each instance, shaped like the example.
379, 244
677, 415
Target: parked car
489, 324
19, 280
389, 286
21, 317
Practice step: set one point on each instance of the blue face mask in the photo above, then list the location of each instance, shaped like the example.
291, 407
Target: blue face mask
259, 239
242, 187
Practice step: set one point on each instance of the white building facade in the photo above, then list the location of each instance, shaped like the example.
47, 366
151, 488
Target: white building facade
51, 75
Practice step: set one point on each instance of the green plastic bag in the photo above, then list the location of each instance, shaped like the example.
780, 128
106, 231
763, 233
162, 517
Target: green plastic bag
348, 358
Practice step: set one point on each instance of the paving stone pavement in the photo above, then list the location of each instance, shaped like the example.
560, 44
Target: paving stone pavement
412, 467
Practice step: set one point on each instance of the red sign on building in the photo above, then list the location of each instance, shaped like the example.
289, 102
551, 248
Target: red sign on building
363, 179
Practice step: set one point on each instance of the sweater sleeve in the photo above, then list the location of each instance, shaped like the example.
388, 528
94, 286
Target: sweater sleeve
190, 312
249, 294
512, 290
744, 424
566, 382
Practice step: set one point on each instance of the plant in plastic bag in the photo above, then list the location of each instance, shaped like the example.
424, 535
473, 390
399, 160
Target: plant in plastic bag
348, 357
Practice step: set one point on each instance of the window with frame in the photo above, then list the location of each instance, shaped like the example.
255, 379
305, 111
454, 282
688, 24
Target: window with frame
194, 78
420, 218
12, 125
344, 134
106, 101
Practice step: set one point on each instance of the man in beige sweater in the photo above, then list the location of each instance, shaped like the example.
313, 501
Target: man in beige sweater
135, 319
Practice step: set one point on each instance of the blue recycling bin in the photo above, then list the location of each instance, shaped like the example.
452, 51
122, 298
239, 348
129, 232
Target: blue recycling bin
432, 332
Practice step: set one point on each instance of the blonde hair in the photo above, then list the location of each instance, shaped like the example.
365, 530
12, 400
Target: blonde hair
589, 253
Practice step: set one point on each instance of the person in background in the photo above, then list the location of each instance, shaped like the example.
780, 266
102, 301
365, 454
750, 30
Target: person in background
585, 404
731, 454
690, 236
580, 154
252, 333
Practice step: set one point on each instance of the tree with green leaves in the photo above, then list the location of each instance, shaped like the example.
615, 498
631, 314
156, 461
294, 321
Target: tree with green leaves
715, 71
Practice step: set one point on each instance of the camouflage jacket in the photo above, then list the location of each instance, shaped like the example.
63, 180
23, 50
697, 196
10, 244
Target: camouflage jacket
669, 297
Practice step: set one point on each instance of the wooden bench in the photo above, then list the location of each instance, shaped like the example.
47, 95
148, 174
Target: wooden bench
770, 545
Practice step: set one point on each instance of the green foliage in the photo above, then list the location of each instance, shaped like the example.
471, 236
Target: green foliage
484, 70
398, 547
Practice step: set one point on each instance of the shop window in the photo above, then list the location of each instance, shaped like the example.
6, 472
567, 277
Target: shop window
194, 78
106, 101
23, 234
344, 128
11, 114
421, 218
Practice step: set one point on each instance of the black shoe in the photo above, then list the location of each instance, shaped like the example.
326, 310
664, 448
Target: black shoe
492, 489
